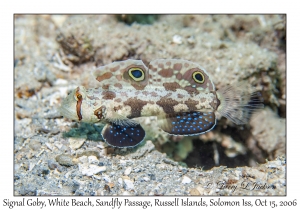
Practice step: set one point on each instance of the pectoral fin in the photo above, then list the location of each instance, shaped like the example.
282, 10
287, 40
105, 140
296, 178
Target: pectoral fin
122, 135
187, 123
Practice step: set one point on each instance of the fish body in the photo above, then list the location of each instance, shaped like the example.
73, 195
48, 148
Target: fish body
180, 93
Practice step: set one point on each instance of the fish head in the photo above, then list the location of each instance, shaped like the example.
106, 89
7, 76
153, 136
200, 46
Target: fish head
79, 107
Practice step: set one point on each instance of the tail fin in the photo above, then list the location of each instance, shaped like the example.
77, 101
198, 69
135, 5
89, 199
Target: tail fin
237, 103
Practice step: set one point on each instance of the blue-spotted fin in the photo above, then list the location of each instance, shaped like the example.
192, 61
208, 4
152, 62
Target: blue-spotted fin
180, 93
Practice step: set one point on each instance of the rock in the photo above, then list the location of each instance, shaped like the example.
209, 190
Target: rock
28, 189
106, 178
89, 153
127, 171
83, 159
177, 39
35, 145
128, 184
91, 169
100, 192
60, 82
93, 160
152, 176
194, 191
137, 170
65, 160
58, 19
52, 164
67, 175
76, 143
126, 193
58, 145
201, 189
169, 161
146, 179
268, 134
274, 164
49, 146
97, 177
102, 145
191, 40
120, 181
162, 166
111, 185
186, 180
123, 162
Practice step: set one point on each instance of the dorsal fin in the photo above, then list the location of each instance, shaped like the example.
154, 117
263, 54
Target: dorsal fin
123, 74
180, 74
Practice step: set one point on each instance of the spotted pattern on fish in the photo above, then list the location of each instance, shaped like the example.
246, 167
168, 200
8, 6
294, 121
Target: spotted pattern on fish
179, 92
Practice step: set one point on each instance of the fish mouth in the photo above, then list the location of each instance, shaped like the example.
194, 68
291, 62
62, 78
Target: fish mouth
68, 108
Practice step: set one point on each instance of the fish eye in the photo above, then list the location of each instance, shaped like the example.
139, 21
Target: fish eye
137, 74
198, 77
80, 93
78, 96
